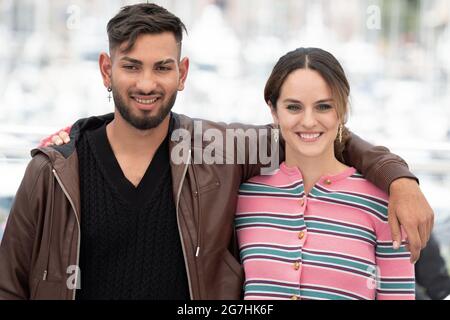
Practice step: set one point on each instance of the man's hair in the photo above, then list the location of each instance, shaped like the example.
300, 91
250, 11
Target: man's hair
144, 18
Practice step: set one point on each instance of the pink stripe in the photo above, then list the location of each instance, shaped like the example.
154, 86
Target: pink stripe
270, 270
264, 204
267, 235
329, 243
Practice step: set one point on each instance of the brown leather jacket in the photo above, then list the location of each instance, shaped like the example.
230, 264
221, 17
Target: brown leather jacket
41, 243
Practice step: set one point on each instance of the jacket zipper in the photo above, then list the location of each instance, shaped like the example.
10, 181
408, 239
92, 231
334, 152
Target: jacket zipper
44, 277
79, 228
197, 197
179, 229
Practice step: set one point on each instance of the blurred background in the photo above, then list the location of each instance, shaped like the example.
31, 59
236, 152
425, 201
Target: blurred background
396, 54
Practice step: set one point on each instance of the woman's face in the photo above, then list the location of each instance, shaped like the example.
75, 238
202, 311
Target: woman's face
306, 114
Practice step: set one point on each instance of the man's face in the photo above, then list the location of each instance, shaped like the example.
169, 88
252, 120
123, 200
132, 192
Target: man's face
146, 79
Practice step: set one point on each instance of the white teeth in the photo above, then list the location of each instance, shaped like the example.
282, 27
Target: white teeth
146, 101
309, 135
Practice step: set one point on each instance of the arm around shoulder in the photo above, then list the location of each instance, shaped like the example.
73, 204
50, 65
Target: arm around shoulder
376, 163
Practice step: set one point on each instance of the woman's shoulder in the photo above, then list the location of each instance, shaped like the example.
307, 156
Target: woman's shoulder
358, 183
276, 179
264, 178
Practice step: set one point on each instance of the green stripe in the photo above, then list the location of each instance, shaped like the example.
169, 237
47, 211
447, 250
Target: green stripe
337, 228
338, 261
323, 295
265, 251
356, 174
245, 187
398, 285
270, 288
390, 250
352, 199
274, 221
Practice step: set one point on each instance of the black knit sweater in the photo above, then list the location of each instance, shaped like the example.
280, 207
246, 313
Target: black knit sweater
130, 244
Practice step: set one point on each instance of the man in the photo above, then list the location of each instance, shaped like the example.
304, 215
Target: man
112, 209
432, 277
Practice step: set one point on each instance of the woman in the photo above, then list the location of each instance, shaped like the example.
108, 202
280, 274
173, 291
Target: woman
315, 228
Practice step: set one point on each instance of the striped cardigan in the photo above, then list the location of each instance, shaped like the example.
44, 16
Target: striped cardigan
334, 243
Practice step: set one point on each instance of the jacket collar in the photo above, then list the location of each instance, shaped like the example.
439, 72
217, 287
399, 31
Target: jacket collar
64, 159
92, 123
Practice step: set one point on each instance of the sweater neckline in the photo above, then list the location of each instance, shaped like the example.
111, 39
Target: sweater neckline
135, 195
327, 179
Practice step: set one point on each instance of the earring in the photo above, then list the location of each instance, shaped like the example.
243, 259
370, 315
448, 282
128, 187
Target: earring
276, 134
340, 133
109, 95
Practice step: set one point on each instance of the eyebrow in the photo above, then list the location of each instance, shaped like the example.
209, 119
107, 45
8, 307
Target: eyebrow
289, 100
325, 100
159, 63
132, 60
165, 61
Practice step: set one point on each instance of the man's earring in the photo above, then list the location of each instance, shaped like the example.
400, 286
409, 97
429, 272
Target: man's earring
109, 95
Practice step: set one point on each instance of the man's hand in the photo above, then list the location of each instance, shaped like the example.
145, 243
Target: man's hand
62, 137
409, 208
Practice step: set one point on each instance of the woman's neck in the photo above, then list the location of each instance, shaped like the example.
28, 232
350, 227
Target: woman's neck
313, 168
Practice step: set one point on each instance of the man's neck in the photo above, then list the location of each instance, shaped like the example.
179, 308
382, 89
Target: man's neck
133, 148
126, 139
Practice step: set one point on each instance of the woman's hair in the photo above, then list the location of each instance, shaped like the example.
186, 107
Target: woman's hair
330, 70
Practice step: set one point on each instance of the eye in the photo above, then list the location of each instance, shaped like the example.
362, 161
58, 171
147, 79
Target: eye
130, 67
324, 107
293, 107
163, 68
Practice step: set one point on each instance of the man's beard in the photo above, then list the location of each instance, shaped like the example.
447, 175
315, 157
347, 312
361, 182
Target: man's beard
142, 122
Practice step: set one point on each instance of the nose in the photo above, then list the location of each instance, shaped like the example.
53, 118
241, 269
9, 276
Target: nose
147, 82
309, 119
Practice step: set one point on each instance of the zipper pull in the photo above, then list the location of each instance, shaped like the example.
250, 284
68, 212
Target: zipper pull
197, 252
45, 275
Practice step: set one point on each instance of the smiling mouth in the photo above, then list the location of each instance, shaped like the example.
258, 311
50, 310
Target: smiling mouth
309, 137
145, 101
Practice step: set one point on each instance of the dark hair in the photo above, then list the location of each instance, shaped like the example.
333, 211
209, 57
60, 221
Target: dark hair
144, 18
330, 70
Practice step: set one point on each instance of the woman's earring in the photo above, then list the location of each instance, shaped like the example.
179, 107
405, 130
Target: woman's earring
340, 133
109, 95
276, 134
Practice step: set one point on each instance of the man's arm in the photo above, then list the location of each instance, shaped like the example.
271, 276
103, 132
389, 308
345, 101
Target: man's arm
407, 204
